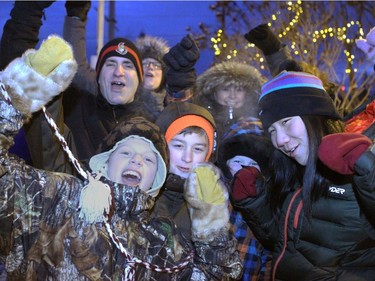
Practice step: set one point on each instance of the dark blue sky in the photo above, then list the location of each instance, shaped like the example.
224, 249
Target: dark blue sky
167, 19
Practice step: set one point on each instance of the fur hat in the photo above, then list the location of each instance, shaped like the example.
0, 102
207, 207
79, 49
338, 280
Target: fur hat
245, 138
181, 115
138, 127
155, 48
152, 47
294, 93
120, 47
230, 73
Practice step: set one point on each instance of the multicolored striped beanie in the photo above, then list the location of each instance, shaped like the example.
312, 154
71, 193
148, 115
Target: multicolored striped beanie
245, 138
244, 125
294, 94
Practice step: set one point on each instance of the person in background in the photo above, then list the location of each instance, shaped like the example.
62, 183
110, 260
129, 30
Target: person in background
245, 148
274, 51
362, 119
319, 220
228, 90
278, 58
53, 224
176, 69
153, 91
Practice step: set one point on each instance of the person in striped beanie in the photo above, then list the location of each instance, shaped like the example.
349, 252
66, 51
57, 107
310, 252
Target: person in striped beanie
316, 210
243, 152
294, 93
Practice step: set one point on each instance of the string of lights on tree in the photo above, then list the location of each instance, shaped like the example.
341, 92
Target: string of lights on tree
221, 47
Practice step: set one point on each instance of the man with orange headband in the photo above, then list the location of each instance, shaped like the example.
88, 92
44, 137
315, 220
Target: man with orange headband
90, 118
189, 130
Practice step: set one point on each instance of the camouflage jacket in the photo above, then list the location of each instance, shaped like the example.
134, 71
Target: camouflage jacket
43, 238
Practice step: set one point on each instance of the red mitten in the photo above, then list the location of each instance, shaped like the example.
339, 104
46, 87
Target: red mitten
341, 151
244, 183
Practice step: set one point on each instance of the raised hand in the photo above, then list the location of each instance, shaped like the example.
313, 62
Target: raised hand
341, 151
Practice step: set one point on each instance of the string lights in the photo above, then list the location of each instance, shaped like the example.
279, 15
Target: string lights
228, 51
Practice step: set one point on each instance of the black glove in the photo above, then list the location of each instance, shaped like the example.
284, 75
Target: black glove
181, 60
21, 32
78, 9
40, 5
262, 37
24, 11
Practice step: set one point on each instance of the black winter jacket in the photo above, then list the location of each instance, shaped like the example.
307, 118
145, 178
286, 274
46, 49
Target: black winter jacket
171, 203
338, 243
91, 118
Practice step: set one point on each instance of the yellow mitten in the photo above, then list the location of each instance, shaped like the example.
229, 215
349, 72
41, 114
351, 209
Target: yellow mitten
51, 53
39, 75
209, 186
207, 199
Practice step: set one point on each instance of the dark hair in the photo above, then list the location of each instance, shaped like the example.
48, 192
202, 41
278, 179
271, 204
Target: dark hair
287, 174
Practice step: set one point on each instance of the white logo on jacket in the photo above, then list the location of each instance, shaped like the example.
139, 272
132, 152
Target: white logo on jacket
336, 190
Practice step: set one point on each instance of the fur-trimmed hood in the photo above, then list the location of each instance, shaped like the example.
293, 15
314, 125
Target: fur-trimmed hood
230, 73
152, 47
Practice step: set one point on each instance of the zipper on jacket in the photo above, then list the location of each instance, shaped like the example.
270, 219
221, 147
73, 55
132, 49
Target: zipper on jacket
285, 232
296, 215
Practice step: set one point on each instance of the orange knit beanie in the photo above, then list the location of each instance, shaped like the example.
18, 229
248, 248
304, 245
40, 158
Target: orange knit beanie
189, 121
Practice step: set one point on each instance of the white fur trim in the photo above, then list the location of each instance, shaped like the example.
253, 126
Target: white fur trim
35, 89
207, 220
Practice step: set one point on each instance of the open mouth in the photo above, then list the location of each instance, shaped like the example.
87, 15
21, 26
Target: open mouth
291, 152
116, 85
131, 178
231, 103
